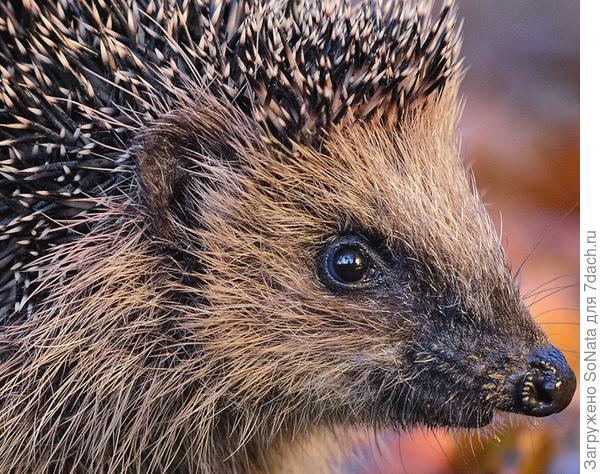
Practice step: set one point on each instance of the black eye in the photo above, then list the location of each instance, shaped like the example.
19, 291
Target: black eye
349, 264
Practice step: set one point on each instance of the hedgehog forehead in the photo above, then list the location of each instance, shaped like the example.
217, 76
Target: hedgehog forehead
406, 188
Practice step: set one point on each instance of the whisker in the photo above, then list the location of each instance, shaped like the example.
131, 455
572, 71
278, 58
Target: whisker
571, 285
531, 294
548, 295
558, 323
554, 310
552, 280
543, 234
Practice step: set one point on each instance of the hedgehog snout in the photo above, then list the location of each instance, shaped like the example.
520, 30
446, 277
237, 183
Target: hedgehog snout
548, 385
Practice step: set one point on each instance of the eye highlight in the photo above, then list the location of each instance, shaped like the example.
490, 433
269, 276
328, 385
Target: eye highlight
349, 263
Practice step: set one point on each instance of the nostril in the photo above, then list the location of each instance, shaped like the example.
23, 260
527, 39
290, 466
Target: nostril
549, 385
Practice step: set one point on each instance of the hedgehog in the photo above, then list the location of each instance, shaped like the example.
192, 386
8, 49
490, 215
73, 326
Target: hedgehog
225, 224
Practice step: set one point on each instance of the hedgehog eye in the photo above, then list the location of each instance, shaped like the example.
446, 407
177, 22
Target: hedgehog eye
347, 263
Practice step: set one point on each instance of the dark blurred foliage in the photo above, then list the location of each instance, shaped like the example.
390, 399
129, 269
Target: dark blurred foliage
520, 134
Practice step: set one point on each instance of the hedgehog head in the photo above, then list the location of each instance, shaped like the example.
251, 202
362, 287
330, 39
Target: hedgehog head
360, 280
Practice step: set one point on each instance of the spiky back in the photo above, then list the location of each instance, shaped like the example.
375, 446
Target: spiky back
80, 78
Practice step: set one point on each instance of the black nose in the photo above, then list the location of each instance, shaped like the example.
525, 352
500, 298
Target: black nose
548, 386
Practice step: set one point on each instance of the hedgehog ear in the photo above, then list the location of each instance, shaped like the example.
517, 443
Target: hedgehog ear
166, 154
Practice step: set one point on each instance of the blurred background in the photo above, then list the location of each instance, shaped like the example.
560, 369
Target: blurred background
520, 135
